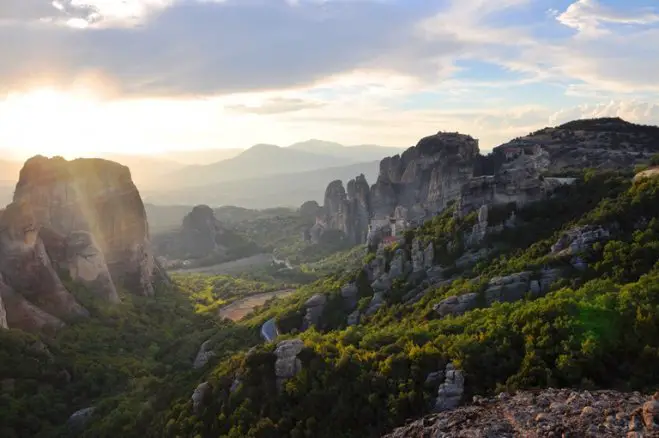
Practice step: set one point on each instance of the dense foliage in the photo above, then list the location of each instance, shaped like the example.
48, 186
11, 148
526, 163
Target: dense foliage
597, 327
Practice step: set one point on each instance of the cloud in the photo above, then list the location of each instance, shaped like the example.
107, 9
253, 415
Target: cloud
590, 16
633, 111
275, 106
192, 48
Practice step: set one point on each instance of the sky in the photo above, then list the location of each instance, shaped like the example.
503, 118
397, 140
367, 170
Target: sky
146, 76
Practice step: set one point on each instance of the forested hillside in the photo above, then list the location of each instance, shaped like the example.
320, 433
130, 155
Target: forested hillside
593, 327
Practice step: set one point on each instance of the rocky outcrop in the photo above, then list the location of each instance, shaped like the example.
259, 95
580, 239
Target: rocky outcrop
457, 305
199, 396
204, 354
84, 218
449, 394
287, 364
543, 414
579, 239
446, 167
349, 211
376, 303
314, 309
606, 143
79, 419
422, 256
413, 185
201, 239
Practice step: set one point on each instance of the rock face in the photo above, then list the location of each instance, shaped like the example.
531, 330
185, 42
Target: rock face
449, 394
543, 414
349, 211
421, 181
447, 167
83, 217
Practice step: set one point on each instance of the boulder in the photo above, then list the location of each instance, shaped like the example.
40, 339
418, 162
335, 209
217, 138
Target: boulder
287, 364
457, 305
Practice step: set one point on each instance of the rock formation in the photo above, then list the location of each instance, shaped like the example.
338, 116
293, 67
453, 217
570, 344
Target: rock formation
543, 414
314, 309
199, 395
202, 239
449, 394
287, 364
457, 305
204, 354
83, 218
446, 167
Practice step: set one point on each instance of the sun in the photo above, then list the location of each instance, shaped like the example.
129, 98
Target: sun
48, 121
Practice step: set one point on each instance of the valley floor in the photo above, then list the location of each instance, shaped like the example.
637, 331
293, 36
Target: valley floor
238, 309
232, 267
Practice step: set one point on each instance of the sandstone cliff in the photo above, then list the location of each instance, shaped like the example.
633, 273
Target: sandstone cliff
82, 219
447, 167
421, 181
202, 239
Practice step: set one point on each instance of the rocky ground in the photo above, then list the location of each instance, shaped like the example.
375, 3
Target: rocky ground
548, 413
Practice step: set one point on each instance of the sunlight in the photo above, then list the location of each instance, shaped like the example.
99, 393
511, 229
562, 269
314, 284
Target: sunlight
48, 121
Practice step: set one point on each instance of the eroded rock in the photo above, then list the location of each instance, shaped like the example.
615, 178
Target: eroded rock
199, 396
449, 394
204, 354
287, 364
457, 305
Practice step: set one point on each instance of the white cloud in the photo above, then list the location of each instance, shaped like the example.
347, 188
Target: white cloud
590, 16
632, 111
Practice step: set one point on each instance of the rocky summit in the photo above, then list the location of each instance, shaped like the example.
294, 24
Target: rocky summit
448, 167
547, 413
81, 221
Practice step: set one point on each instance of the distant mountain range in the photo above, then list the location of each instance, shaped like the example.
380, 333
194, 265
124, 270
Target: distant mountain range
285, 190
266, 160
262, 176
